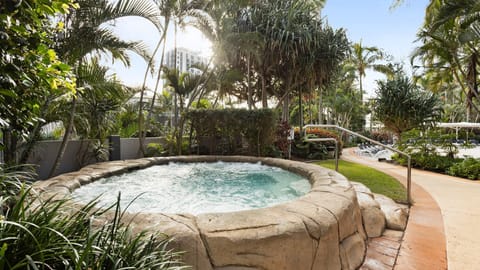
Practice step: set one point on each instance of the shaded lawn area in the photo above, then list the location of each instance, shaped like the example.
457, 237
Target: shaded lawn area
376, 181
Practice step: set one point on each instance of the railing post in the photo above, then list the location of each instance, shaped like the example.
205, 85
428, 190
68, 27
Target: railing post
409, 181
336, 155
409, 168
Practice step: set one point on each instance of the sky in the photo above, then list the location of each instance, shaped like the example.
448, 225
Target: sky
374, 24
370, 21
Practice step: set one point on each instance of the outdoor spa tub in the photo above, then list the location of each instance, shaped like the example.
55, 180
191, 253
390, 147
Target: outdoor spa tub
321, 229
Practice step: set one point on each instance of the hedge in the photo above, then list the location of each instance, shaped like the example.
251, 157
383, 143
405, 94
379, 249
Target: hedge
234, 131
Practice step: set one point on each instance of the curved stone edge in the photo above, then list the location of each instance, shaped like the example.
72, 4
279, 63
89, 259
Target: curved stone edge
325, 225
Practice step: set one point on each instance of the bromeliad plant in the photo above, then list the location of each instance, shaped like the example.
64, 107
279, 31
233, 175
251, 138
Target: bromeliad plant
48, 234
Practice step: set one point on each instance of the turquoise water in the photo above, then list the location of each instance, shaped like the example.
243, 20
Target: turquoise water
197, 188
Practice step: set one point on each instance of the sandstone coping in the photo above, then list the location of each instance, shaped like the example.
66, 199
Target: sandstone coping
321, 230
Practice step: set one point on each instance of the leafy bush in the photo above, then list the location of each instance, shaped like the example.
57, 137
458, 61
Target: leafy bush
155, 150
281, 139
321, 133
315, 150
468, 168
309, 150
381, 136
49, 234
430, 162
234, 131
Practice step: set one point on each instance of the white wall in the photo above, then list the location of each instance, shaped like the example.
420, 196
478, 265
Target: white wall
45, 152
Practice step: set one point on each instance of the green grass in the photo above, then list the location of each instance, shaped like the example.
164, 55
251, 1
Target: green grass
376, 181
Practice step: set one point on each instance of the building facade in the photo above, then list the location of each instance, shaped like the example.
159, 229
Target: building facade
184, 60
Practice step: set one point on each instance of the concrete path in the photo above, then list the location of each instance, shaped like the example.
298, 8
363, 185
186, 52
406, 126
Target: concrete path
459, 201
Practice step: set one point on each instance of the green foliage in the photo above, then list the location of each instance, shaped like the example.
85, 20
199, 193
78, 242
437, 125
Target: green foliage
54, 134
281, 139
401, 106
309, 150
449, 56
424, 151
364, 57
126, 121
376, 181
431, 162
315, 150
202, 104
154, 150
40, 233
30, 71
425, 148
468, 168
98, 104
225, 131
381, 136
276, 41
172, 144
323, 133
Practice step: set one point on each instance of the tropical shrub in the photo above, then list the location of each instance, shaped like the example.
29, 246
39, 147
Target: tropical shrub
281, 139
401, 106
309, 150
47, 233
303, 148
323, 133
430, 162
155, 150
381, 136
234, 131
468, 168
31, 74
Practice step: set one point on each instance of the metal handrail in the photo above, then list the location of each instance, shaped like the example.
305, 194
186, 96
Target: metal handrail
409, 159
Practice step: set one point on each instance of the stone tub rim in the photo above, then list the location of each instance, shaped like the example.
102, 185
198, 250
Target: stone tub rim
328, 211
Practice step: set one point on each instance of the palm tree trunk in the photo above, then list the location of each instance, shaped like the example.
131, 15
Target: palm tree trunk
361, 88
11, 141
310, 111
31, 141
152, 104
175, 105
179, 128
320, 106
264, 94
300, 107
249, 89
63, 146
285, 110
469, 102
141, 133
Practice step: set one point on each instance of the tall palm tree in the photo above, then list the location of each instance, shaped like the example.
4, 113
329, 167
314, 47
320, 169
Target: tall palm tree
367, 57
86, 32
450, 36
176, 12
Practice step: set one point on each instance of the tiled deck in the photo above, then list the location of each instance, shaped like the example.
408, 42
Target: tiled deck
382, 251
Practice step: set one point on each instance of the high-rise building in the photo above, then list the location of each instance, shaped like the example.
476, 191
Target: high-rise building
185, 59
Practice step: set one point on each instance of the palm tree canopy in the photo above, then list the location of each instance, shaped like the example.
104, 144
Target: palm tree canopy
87, 29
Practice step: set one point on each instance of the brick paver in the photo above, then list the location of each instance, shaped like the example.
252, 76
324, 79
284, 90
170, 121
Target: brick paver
423, 245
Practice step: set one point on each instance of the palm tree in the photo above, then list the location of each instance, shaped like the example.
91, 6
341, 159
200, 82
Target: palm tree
176, 11
450, 36
187, 86
364, 58
97, 108
86, 32
401, 106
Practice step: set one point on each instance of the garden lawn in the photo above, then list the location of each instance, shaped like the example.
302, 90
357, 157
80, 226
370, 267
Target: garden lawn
376, 181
